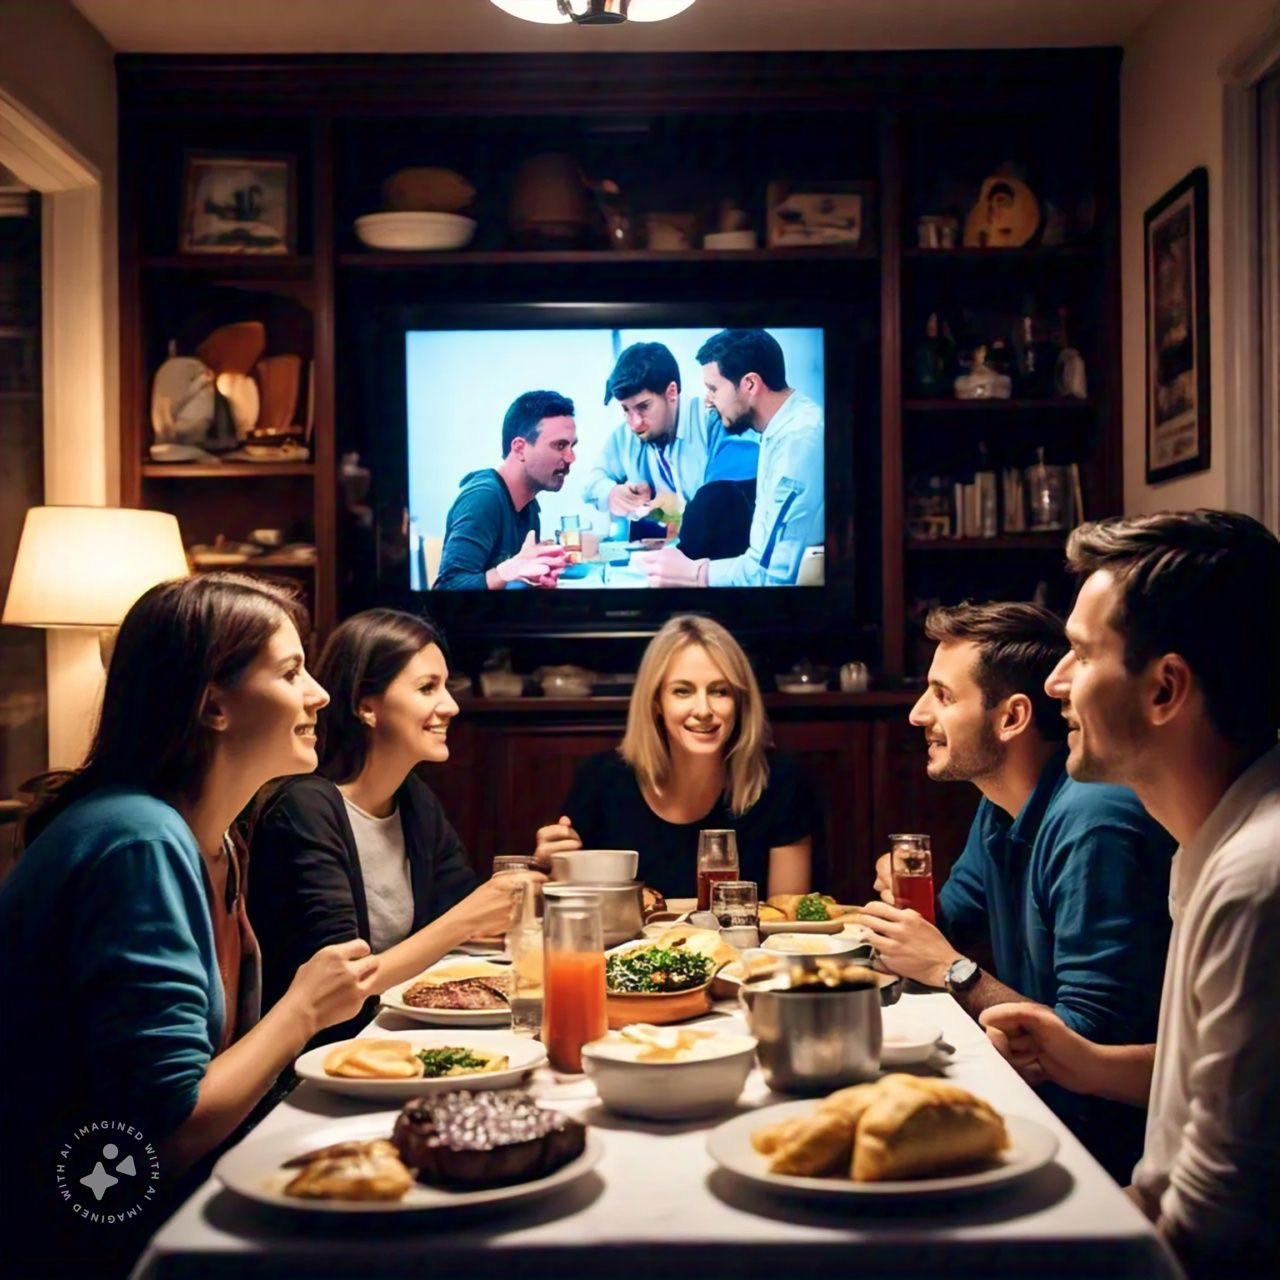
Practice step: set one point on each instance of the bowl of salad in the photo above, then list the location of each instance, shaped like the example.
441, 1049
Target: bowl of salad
657, 984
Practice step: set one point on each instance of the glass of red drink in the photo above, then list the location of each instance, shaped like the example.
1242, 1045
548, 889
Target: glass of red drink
911, 862
717, 862
573, 984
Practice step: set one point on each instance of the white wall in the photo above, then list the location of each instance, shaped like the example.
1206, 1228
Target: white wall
1171, 120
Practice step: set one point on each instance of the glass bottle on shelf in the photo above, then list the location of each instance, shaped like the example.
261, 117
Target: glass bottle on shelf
934, 358
1069, 377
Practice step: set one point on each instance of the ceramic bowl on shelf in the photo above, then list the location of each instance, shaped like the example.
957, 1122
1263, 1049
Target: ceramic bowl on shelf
413, 231
801, 682
501, 684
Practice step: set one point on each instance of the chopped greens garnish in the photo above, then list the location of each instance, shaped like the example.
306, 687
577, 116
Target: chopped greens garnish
650, 969
812, 907
439, 1062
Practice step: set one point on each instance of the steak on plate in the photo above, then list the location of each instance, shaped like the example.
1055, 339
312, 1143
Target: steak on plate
464, 993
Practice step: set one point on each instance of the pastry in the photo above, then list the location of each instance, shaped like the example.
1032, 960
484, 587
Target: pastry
350, 1171
818, 1144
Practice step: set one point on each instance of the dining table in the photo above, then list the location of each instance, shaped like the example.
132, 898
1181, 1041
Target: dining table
657, 1204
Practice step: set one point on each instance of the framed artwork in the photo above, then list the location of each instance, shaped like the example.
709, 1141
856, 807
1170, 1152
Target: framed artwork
237, 204
1176, 265
812, 214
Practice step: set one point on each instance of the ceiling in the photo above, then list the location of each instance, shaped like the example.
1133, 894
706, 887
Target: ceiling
475, 26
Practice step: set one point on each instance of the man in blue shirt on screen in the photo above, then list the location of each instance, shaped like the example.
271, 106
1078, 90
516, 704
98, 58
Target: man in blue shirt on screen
745, 376
1069, 881
664, 443
492, 530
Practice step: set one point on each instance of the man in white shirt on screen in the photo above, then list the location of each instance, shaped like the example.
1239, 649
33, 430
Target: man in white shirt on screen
1172, 687
745, 376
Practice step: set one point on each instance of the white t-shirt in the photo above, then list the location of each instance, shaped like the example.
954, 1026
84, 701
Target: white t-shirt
1212, 1154
384, 866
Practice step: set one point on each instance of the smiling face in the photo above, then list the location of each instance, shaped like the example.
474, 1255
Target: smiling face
731, 401
548, 458
651, 415
696, 703
411, 717
266, 716
959, 729
1101, 699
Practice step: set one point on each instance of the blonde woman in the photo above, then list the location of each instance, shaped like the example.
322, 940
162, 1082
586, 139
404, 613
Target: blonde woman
695, 755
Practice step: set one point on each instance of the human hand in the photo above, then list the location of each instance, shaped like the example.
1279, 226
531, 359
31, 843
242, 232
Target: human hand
670, 567
536, 564
907, 943
558, 837
334, 983
627, 499
488, 909
1040, 1046
884, 879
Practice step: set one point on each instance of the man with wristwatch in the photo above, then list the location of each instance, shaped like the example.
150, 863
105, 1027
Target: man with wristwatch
1069, 882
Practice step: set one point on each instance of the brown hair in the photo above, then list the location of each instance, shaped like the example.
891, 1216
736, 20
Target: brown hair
177, 639
1205, 585
362, 657
644, 745
1018, 646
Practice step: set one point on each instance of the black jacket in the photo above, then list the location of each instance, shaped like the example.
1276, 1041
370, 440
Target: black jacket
305, 889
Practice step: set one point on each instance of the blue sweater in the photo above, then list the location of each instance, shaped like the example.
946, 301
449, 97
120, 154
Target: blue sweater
1075, 893
112, 1003
482, 529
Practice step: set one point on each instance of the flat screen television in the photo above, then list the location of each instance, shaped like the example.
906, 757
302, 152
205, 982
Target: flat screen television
449, 374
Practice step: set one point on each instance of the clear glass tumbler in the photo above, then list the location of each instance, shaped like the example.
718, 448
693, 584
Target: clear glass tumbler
911, 863
717, 861
573, 986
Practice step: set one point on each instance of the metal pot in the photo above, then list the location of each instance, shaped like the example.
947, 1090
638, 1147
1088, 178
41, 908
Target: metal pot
621, 906
813, 1041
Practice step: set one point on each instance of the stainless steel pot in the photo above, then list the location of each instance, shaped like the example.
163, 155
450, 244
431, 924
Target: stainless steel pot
813, 1041
621, 906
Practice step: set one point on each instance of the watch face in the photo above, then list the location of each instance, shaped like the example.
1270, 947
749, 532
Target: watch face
961, 973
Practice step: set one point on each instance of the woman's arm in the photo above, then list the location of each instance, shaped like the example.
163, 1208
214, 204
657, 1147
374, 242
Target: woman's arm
790, 867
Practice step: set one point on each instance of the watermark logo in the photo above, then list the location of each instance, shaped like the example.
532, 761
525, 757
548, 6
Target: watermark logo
108, 1172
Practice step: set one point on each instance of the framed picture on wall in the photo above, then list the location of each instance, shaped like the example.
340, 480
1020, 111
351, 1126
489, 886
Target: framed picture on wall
237, 204
1176, 265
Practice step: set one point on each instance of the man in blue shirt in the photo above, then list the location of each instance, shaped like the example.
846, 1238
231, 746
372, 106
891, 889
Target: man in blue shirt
745, 375
491, 532
1071, 881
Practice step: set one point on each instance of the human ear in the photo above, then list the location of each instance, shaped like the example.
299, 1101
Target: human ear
1016, 718
211, 714
1171, 686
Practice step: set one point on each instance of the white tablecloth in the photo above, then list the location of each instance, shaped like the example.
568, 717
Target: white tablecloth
657, 1206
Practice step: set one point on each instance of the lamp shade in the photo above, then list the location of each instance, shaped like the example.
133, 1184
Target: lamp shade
85, 566
594, 12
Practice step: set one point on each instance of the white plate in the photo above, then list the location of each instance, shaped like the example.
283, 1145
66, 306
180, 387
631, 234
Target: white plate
525, 1054
253, 1170
906, 1043
834, 946
414, 230
393, 998
1031, 1147
768, 927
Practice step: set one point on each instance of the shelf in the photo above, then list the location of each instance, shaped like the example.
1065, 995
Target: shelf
1064, 404
1006, 542
254, 563
19, 331
20, 397
1032, 254
231, 266
379, 260
224, 470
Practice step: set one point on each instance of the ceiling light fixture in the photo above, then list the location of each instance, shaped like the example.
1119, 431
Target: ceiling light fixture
593, 13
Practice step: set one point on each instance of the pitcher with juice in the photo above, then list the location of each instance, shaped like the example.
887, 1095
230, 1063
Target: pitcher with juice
573, 984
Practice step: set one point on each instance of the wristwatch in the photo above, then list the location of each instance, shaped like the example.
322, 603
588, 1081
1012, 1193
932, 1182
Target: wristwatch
961, 975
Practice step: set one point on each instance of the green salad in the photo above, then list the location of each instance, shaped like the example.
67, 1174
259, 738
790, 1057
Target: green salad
655, 969
813, 906
445, 1061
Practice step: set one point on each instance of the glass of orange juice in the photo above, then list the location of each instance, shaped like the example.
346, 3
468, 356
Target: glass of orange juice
573, 986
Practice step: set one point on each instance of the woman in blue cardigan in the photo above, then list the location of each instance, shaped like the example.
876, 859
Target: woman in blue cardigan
128, 1000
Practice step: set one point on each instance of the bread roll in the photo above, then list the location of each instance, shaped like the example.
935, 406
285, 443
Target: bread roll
818, 1144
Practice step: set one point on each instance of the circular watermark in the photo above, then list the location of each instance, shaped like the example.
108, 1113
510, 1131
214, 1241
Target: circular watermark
108, 1172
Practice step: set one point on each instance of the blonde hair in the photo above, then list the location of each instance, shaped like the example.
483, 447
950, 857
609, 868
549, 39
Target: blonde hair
644, 745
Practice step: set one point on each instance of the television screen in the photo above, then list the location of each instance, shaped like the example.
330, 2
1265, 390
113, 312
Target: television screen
607, 458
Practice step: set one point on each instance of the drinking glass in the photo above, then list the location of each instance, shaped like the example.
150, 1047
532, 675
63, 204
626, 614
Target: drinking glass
717, 860
571, 538
525, 945
911, 864
573, 985
508, 862
735, 902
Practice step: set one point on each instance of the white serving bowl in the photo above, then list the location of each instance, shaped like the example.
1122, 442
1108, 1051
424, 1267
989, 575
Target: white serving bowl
413, 231
670, 1090
595, 866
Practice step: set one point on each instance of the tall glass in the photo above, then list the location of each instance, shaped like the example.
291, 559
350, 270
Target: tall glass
573, 992
506, 862
735, 902
571, 538
525, 944
717, 861
911, 864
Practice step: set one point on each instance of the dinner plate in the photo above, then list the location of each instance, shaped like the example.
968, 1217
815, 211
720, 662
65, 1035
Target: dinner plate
836, 945
768, 927
253, 1170
906, 1043
393, 998
1032, 1146
524, 1055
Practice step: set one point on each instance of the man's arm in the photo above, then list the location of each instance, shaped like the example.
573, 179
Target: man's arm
610, 469
470, 545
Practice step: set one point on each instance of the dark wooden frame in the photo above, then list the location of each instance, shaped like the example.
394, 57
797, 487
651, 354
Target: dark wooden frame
193, 161
1191, 195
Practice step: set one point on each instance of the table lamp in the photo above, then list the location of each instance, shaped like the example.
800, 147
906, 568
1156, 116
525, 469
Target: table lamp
78, 570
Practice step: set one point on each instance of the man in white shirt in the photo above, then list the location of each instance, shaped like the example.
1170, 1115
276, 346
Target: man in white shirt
1172, 687
745, 375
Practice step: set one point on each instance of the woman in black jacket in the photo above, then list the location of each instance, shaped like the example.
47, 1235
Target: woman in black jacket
362, 848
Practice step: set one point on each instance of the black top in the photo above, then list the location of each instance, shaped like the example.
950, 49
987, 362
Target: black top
609, 811
305, 889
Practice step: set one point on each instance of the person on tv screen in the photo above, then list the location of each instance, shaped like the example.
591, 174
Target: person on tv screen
492, 530
745, 376
695, 754
665, 442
